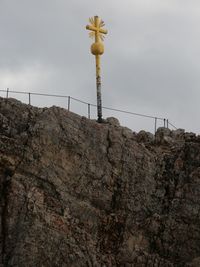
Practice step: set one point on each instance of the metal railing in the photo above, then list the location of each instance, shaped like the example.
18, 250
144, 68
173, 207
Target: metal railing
166, 123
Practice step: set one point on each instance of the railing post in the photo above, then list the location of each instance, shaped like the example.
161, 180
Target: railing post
164, 122
7, 92
167, 124
29, 98
69, 102
88, 111
155, 124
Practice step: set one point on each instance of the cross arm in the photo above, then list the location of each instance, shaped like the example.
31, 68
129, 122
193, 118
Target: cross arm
91, 28
103, 31
94, 29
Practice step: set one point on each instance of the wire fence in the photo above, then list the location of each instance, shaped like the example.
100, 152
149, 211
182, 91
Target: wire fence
164, 122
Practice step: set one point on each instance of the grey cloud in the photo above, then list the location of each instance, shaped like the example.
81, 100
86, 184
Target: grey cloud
150, 63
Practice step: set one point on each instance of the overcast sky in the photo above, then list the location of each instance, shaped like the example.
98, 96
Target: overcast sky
151, 63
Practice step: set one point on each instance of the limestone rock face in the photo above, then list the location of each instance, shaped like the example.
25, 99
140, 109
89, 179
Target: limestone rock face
78, 193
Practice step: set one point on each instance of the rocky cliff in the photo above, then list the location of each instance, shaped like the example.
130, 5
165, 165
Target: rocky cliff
77, 193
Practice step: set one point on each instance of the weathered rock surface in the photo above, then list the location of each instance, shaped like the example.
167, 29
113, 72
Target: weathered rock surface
78, 193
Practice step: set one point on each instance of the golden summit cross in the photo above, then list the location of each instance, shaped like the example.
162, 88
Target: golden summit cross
96, 28
97, 49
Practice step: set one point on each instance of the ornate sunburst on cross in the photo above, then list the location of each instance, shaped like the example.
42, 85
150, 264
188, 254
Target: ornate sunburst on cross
97, 49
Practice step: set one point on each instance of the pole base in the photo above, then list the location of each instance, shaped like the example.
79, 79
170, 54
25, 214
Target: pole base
99, 120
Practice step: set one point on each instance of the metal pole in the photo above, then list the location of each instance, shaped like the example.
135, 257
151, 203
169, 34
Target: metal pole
7, 92
99, 102
29, 98
164, 123
155, 124
167, 124
88, 111
69, 102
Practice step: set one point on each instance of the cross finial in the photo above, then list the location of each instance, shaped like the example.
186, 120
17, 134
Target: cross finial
96, 29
